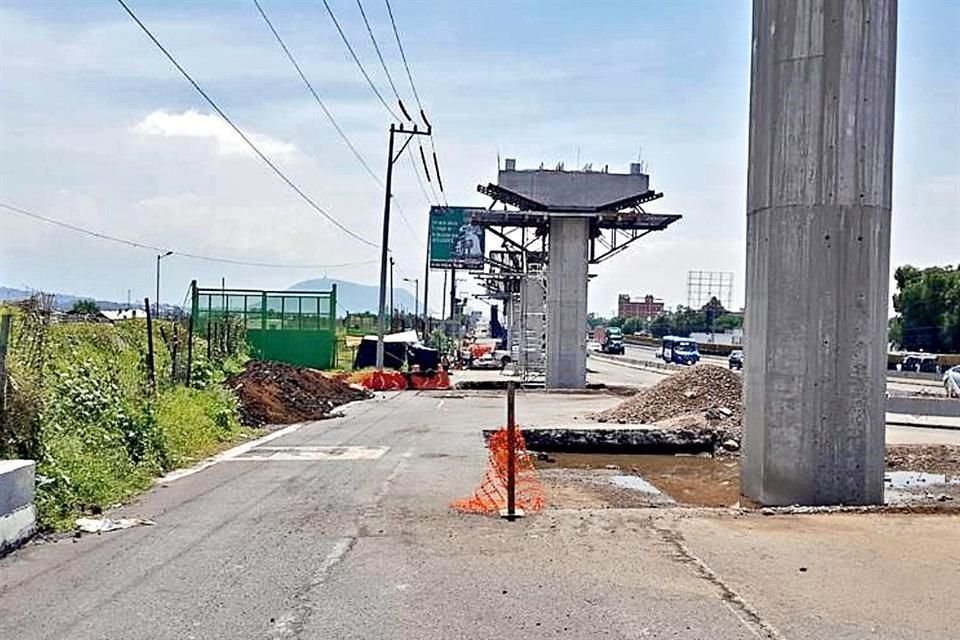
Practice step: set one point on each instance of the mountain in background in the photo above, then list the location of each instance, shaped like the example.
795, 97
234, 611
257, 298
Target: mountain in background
61, 301
357, 298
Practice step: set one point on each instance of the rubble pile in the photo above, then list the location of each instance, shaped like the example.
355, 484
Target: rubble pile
277, 393
928, 458
705, 397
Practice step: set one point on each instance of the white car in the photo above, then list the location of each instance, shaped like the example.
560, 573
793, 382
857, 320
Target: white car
951, 382
593, 345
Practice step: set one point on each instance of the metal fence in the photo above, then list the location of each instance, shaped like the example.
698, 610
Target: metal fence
297, 327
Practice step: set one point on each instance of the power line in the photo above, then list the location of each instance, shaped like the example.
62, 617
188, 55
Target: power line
328, 113
416, 95
343, 37
383, 63
316, 96
247, 140
182, 254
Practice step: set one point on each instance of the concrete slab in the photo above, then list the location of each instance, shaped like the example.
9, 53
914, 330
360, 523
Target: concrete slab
17, 478
17, 527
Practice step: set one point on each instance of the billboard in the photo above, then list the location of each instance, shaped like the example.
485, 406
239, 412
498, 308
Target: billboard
455, 243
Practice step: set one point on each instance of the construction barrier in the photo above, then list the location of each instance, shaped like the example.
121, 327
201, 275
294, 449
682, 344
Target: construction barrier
491, 496
479, 350
384, 381
437, 380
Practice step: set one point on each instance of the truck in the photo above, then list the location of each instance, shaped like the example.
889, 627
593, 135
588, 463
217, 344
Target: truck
611, 340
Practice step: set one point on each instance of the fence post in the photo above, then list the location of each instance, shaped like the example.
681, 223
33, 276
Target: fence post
511, 512
151, 377
193, 312
4, 342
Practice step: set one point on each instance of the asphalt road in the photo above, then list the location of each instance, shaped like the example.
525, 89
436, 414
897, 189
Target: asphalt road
280, 542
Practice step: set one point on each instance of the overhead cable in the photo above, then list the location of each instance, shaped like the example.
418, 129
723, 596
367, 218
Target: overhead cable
242, 135
182, 254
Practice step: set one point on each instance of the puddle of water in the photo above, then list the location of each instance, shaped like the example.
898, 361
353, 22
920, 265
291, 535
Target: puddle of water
634, 482
691, 480
916, 480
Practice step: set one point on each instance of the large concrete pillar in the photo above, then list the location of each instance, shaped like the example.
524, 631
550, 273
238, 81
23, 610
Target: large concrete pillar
818, 250
567, 303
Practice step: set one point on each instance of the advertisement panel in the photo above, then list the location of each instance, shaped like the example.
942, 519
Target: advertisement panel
455, 243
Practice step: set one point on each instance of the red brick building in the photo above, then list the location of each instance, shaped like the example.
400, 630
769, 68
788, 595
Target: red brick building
648, 307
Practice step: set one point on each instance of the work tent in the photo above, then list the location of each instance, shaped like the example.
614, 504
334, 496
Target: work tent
399, 350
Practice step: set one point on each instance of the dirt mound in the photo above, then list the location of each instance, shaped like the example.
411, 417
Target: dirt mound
704, 396
276, 393
930, 458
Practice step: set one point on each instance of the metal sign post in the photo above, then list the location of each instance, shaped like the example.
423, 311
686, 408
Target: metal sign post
511, 512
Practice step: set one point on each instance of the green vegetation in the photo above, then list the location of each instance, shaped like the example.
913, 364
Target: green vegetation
927, 303
84, 307
682, 322
79, 403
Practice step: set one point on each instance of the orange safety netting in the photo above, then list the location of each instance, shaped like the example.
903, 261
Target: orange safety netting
491, 496
384, 380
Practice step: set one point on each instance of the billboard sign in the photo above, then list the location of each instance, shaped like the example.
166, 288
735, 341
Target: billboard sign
455, 243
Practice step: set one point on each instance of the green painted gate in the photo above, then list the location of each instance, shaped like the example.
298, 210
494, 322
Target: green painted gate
296, 327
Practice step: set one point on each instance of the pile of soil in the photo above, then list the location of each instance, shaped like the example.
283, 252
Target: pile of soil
277, 393
929, 458
705, 397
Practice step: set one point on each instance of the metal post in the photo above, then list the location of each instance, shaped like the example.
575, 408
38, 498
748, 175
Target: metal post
384, 248
426, 284
193, 313
160, 256
416, 302
151, 377
511, 512
4, 341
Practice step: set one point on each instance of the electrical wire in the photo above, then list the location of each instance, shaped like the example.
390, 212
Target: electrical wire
247, 140
316, 96
386, 71
356, 59
416, 95
182, 254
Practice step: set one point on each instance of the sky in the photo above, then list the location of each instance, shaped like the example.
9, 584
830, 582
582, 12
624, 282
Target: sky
97, 129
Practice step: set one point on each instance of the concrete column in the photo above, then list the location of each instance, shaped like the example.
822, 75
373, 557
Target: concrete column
818, 250
567, 303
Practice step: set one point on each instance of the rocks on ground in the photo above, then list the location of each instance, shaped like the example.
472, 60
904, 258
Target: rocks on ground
277, 393
704, 397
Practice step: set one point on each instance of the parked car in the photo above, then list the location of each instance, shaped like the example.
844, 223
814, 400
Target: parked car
951, 382
594, 345
924, 362
736, 359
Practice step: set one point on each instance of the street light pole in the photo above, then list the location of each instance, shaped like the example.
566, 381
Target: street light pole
416, 299
385, 242
160, 256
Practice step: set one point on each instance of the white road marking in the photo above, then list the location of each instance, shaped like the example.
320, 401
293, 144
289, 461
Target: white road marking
310, 453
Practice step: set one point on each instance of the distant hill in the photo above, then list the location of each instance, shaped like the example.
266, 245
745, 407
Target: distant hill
61, 301
357, 298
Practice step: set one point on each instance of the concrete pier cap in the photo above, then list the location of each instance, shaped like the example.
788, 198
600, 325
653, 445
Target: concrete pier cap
818, 250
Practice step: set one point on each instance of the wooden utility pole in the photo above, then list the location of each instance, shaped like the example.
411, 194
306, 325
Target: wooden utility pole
151, 374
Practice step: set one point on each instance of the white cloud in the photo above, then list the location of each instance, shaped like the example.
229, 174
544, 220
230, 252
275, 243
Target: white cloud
193, 124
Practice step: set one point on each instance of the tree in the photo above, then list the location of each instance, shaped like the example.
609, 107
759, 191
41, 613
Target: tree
594, 321
633, 325
85, 308
728, 321
616, 321
661, 326
928, 304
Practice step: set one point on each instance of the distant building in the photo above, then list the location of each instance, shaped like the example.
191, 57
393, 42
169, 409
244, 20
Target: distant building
648, 307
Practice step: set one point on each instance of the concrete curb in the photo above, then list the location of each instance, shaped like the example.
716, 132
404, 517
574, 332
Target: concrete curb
18, 516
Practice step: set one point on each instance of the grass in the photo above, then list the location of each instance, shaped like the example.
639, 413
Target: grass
98, 431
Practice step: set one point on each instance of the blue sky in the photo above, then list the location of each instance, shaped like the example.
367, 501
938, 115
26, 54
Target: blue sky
96, 128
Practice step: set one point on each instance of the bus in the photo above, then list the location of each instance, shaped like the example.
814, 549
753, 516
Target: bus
679, 350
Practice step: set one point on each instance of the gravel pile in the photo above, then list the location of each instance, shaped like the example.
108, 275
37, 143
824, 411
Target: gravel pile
277, 393
704, 396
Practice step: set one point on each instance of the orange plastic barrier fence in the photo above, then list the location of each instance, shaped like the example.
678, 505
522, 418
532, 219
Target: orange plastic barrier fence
491, 496
438, 380
384, 381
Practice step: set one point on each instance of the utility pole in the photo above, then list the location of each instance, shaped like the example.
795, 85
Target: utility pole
156, 301
385, 241
453, 294
393, 308
426, 284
